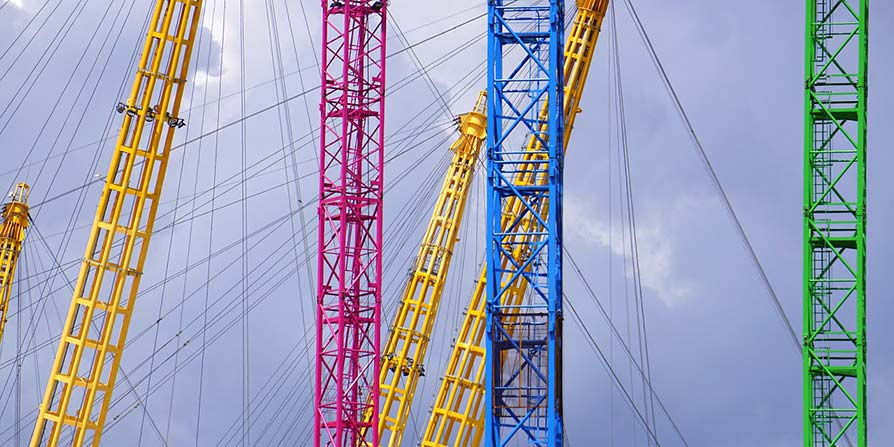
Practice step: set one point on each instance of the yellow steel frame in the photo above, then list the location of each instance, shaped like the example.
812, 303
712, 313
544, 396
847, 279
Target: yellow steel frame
457, 418
404, 354
89, 355
12, 236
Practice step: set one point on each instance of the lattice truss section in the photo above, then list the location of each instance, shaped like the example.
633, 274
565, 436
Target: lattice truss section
457, 418
77, 397
524, 341
404, 354
835, 223
350, 230
15, 222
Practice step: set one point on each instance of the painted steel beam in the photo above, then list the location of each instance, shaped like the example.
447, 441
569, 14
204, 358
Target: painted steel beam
349, 275
76, 401
457, 418
835, 223
523, 350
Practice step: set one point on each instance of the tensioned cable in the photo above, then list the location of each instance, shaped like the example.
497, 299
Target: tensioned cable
246, 347
58, 39
421, 67
289, 136
210, 233
386, 269
228, 125
414, 212
615, 333
82, 112
393, 54
33, 36
168, 259
98, 180
232, 186
235, 321
642, 333
124, 374
50, 280
715, 181
28, 25
616, 380
71, 221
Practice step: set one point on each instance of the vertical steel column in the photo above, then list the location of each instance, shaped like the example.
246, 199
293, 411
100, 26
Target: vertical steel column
524, 340
457, 417
350, 232
14, 220
835, 223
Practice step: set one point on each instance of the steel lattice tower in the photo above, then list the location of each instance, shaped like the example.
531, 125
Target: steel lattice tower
835, 223
349, 272
524, 342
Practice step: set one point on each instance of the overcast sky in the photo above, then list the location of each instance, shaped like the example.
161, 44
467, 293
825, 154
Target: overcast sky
721, 361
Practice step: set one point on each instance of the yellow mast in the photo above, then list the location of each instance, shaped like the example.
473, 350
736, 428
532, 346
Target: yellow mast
77, 397
404, 354
457, 418
12, 236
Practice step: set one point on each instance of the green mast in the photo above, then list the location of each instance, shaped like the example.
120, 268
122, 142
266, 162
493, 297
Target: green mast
835, 223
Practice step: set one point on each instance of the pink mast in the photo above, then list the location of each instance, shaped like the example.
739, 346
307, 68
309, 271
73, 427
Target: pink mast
349, 271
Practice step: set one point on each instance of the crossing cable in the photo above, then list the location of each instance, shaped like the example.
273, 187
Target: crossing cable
413, 213
411, 201
429, 82
124, 374
232, 186
276, 48
28, 25
715, 180
48, 283
246, 340
615, 333
211, 231
82, 114
399, 84
642, 333
418, 197
58, 39
21, 52
236, 320
18, 358
616, 380
189, 114
306, 91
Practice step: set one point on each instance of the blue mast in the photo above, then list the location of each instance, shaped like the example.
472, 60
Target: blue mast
525, 140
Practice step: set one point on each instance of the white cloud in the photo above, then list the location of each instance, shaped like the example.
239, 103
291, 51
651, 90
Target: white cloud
657, 252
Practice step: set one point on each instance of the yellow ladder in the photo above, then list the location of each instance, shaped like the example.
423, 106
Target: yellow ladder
77, 397
403, 356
